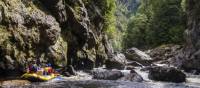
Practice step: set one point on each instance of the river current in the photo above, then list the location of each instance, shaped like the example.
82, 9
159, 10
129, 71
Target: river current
84, 80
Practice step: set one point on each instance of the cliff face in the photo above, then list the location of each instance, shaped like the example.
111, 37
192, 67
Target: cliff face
61, 32
190, 57
132, 5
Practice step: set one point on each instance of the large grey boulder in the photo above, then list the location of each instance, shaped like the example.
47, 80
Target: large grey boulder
137, 55
118, 61
128, 75
107, 75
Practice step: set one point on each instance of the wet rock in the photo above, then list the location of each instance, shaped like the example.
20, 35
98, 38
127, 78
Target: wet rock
164, 54
67, 74
129, 67
147, 68
107, 75
133, 76
139, 56
118, 61
71, 70
134, 63
168, 74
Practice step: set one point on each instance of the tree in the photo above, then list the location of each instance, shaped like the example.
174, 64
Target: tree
135, 34
163, 22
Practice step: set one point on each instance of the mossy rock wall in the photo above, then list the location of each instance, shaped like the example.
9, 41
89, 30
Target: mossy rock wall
61, 32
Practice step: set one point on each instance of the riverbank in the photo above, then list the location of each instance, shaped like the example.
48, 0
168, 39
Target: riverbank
14, 83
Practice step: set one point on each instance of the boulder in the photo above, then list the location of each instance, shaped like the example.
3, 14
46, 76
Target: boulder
68, 71
132, 76
168, 74
71, 70
107, 75
164, 54
139, 56
118, 61
125, 75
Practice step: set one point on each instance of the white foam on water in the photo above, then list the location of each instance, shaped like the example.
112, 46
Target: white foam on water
193, 80
143, 74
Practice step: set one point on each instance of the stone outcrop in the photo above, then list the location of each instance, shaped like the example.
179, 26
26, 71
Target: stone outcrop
164, 54
29, 33
61, 32
137, 55
118, 61
189, 58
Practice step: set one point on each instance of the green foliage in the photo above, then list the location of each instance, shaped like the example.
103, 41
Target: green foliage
124, 11
107, 9
183, 4
157, 22
135, 32
109, 18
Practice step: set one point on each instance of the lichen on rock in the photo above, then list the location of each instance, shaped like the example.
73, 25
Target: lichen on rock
29, 32
61, 32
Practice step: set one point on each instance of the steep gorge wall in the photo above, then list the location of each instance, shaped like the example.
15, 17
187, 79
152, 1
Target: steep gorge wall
61, 32
189, 59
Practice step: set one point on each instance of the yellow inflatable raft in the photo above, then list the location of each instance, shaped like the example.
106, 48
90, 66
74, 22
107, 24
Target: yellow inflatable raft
35, 77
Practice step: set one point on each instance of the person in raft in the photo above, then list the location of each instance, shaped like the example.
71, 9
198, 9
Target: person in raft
32, 67
48, 69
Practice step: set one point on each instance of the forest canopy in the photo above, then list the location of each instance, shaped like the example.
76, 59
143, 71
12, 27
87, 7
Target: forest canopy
156, 22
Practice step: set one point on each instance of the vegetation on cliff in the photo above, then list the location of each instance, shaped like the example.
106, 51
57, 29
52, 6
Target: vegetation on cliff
61, 32
78, 33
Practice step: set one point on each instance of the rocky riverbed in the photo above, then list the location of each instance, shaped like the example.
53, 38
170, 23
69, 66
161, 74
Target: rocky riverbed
85, 80
136, 71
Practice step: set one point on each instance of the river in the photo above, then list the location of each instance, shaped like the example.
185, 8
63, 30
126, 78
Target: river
84, 80
108, 84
